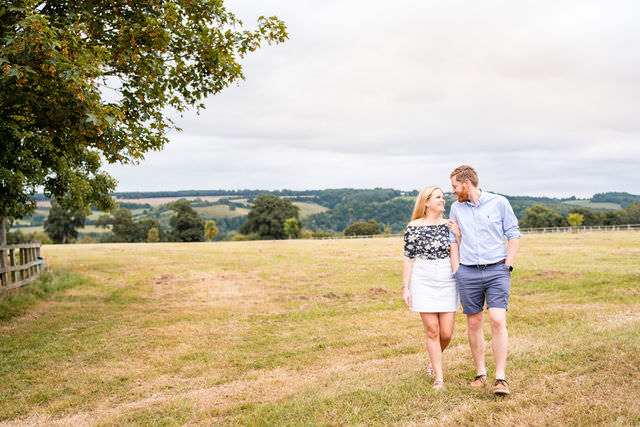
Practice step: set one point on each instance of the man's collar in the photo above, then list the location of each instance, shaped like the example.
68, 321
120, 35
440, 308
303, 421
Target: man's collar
481, 199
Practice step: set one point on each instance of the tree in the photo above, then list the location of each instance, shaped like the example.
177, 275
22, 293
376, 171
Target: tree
267, 216
291, 227
62, 224
305, 234
123, 228
575, 219
322, 233
87, 81
16, 237
538, 216
617, 217
42, 237
187, 226
210, 230
633, 213
368, 228
153, 235
144, 226
589, 217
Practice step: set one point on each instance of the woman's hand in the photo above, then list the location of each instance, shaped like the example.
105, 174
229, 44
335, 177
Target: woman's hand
406, 296
455, 229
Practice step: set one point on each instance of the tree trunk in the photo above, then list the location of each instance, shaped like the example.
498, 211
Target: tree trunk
3, 229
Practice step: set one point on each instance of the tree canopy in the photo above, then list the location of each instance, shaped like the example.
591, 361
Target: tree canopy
210, 230
62, 224
186, 225
368, 228
89, 81
268, 215
291, 227
542, 216
123, 228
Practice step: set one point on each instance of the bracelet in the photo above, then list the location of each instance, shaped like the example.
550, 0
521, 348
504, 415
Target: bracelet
404, 285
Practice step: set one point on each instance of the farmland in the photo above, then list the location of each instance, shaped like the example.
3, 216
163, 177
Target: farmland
314, 333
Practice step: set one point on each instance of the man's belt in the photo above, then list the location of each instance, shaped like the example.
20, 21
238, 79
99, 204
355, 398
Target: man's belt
484, 265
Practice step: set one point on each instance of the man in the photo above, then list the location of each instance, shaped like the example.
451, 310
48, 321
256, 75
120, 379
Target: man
483, 270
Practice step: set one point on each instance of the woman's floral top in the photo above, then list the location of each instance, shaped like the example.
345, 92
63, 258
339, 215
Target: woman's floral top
426, 241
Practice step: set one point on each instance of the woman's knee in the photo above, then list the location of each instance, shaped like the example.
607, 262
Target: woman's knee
433, 331
445, 335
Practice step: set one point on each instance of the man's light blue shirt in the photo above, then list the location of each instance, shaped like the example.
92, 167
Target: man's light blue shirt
484, 228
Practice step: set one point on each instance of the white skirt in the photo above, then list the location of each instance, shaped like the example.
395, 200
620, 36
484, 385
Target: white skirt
432, 288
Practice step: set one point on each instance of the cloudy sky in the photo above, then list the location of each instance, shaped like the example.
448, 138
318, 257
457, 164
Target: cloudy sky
541, 97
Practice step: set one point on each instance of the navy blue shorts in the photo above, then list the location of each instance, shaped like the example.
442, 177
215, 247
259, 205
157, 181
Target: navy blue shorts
474, 284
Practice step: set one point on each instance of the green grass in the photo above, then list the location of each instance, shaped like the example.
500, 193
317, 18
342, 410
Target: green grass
219, 211
15, 302
84, 230
604, 206
307, 208
314, 333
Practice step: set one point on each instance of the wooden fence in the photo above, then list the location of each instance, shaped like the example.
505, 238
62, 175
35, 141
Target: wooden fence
19, 265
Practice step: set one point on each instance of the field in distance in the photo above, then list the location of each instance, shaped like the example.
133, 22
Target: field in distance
217, 211
314, 333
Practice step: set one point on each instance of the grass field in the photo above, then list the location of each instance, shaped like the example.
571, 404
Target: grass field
603, 206
314, 333
307, 208
217, 211
85, 229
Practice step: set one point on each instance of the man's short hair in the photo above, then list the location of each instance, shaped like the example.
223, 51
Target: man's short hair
465, 172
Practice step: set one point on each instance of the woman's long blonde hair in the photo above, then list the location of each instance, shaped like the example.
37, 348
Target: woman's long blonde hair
420, 209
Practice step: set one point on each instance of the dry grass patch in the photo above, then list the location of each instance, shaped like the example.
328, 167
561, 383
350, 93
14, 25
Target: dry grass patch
314, 333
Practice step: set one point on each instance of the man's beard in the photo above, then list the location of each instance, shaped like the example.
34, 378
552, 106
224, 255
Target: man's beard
463, 195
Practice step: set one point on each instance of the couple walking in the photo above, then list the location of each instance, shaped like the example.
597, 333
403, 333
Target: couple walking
465, 255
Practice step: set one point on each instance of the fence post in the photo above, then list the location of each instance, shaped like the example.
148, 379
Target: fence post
39, 266
18, 269
20, 275
31, 258
12, 263
3, 264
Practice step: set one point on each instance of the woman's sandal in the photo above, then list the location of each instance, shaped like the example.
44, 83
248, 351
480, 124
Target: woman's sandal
438, 384
429, 370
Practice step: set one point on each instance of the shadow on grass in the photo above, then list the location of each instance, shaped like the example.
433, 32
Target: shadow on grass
15, 302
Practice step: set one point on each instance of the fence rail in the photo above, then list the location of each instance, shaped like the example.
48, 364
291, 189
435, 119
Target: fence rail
19, 265
584, 228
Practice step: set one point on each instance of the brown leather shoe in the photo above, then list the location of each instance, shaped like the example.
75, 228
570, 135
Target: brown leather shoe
501, 388
478, 382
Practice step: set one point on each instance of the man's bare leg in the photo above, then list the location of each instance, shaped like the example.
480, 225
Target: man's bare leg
499, 339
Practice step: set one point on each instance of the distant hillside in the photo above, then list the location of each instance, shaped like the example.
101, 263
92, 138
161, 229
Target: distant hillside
623, 199
330, 209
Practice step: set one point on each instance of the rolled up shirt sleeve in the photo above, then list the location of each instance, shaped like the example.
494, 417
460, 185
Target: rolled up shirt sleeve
510, 222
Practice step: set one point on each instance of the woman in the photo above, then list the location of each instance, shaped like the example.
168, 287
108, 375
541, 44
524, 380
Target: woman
428, 286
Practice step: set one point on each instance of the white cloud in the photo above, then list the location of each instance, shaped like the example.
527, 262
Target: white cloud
541, 97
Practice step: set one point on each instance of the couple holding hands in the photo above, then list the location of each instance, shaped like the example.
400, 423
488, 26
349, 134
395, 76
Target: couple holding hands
466, 256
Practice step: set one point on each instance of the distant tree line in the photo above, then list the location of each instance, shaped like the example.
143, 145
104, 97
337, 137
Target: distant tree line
539, 216
274, 217
624, 199
391, 208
